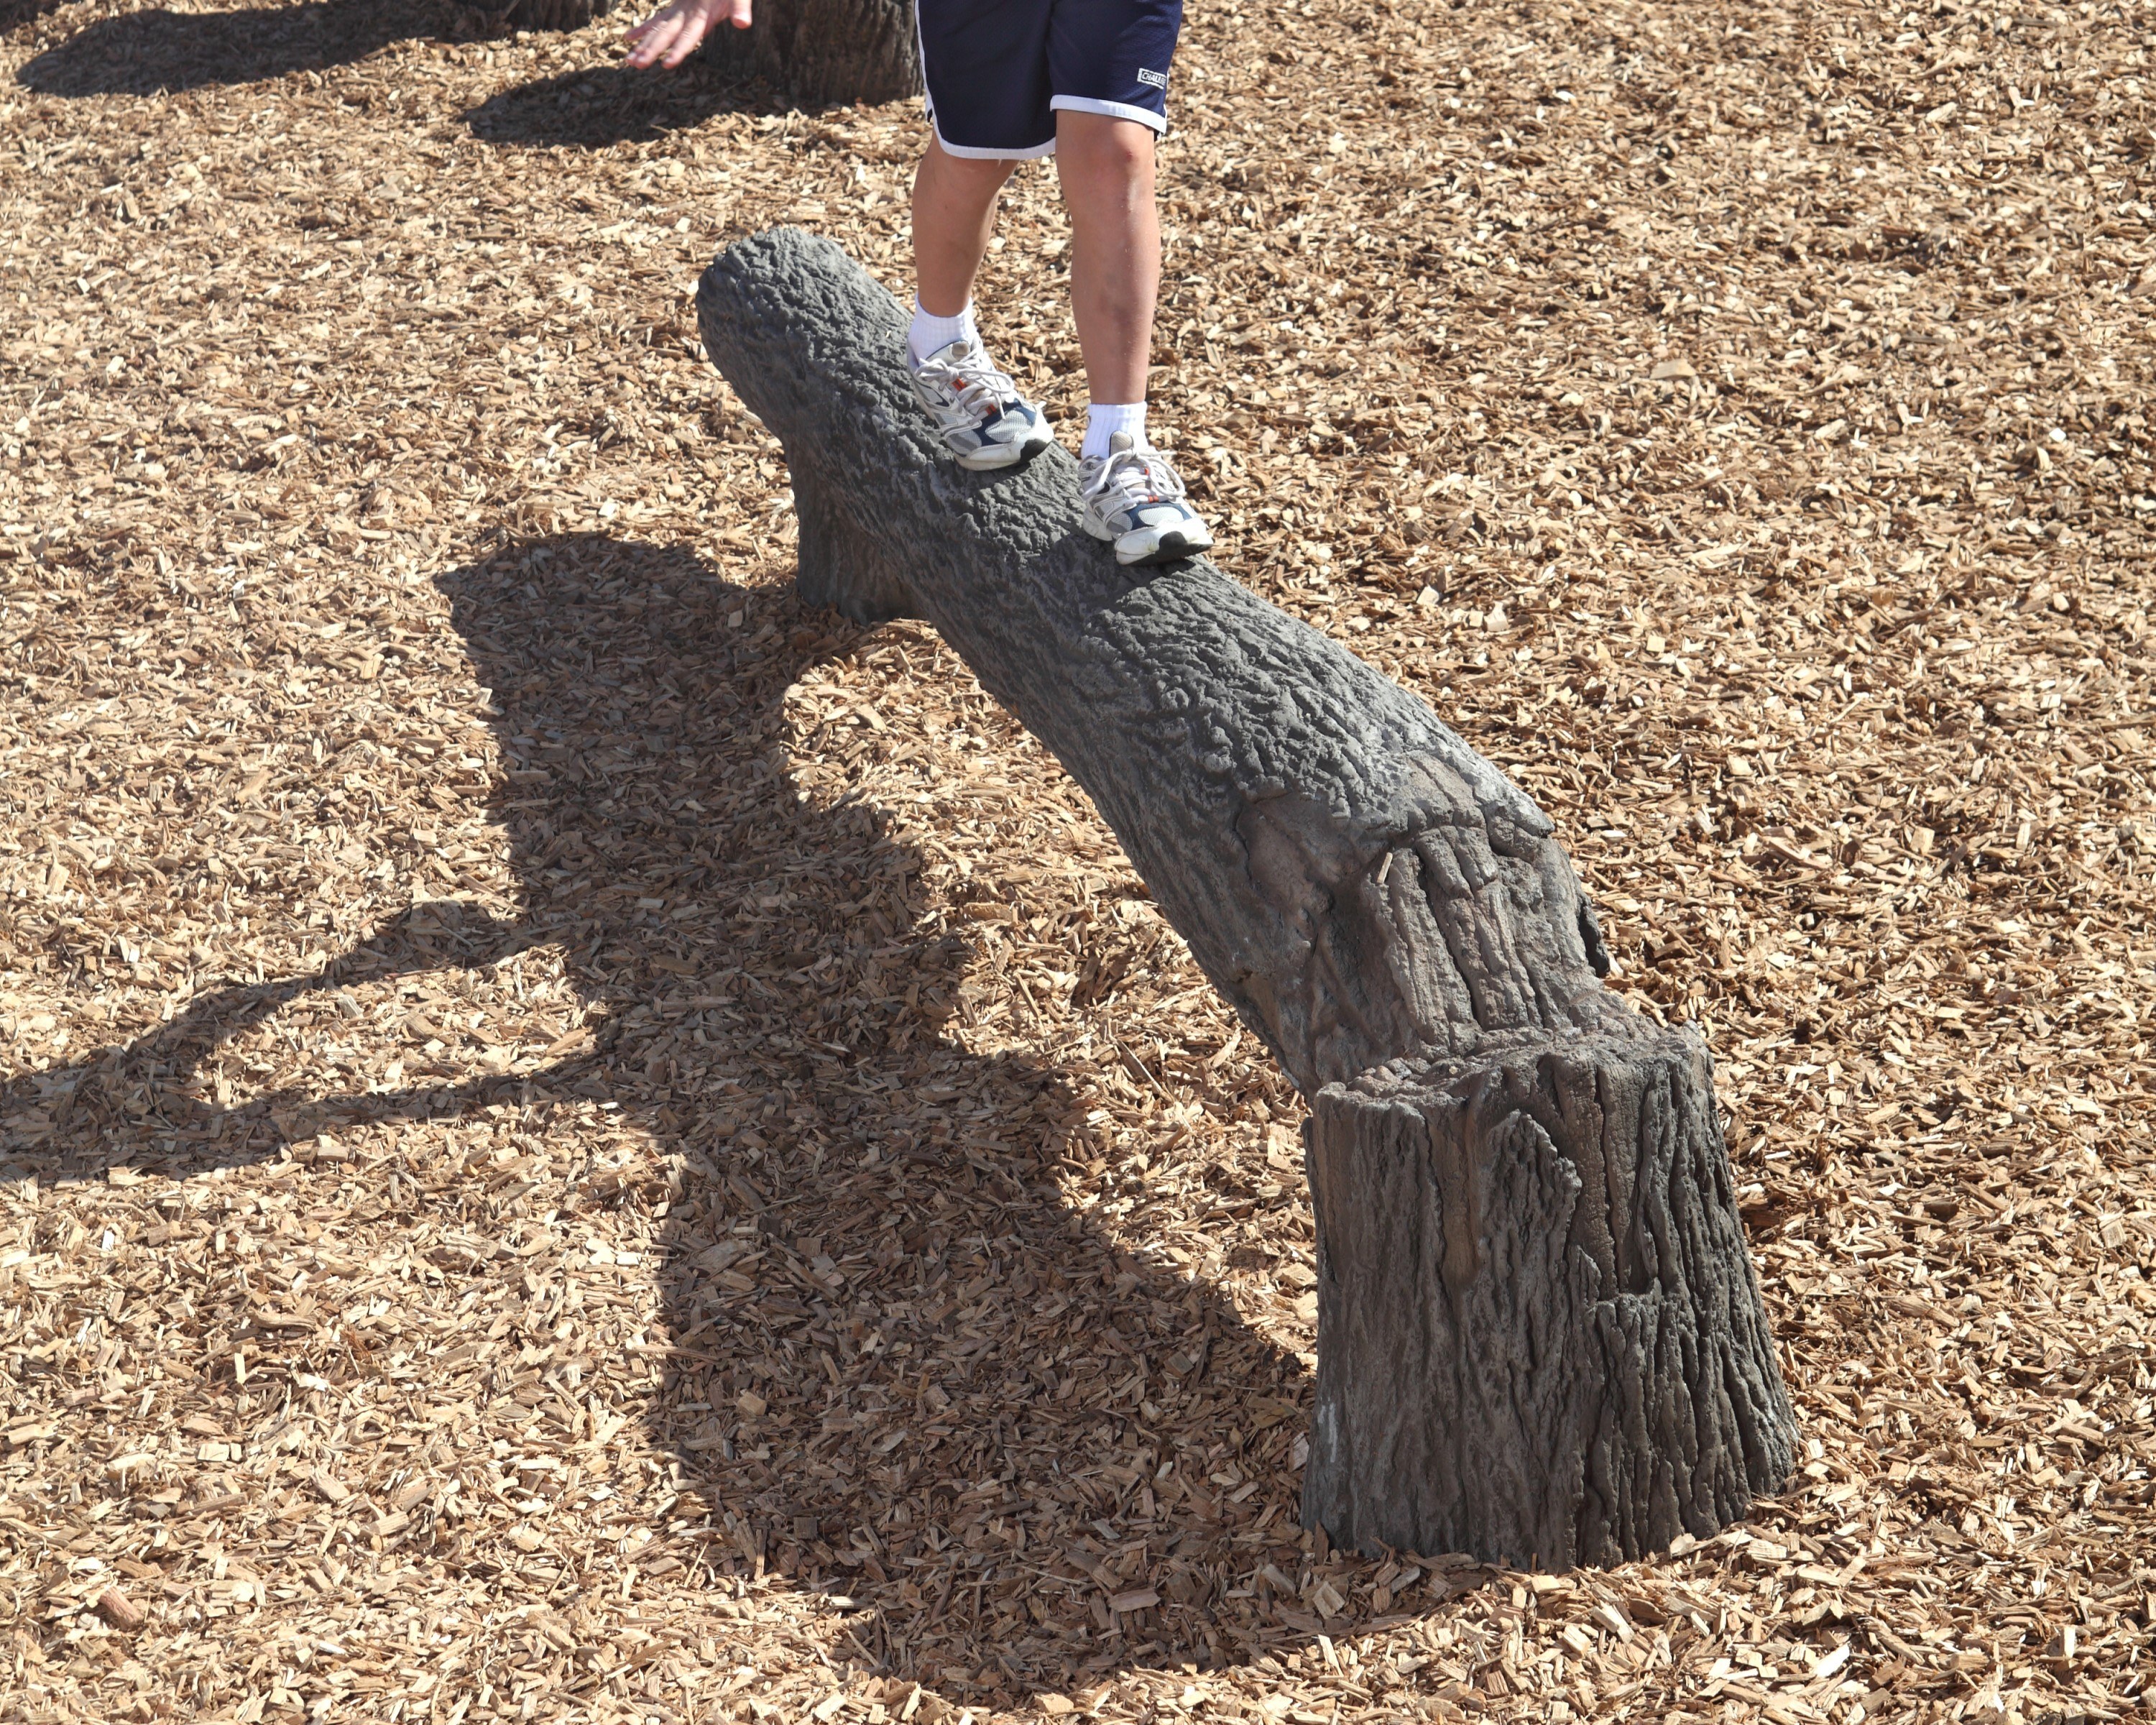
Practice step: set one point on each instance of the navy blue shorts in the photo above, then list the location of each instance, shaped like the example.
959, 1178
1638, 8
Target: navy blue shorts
996, 71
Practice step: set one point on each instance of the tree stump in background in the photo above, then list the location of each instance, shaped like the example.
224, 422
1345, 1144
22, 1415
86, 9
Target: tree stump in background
1540, 1338
821, 52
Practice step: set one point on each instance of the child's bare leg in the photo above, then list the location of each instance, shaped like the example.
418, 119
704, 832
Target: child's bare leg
983, 419
1106, 168
954, 211
1134, 497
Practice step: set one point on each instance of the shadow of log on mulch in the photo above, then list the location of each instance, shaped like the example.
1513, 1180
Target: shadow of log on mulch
901, 1368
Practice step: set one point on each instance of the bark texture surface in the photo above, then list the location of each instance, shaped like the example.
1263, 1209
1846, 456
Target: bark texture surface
821, 52
1539, 1333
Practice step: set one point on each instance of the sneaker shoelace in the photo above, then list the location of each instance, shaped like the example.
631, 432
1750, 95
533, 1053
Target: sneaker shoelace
1136, 477
975, 383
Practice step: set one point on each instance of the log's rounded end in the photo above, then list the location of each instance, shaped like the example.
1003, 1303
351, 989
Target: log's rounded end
810, 344
1540, 1338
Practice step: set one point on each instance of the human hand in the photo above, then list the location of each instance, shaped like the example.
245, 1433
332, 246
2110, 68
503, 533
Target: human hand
670, 36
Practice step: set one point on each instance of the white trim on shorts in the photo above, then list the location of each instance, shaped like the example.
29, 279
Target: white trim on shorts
971, 153
1114, 110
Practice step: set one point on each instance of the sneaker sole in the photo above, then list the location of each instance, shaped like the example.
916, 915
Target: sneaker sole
1003, 456
1172, 548
1169, 551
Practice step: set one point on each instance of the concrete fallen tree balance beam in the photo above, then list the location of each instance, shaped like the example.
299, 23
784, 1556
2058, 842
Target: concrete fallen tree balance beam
1540, 1339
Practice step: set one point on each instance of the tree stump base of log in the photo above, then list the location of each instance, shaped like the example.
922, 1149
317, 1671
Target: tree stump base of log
1539, 1337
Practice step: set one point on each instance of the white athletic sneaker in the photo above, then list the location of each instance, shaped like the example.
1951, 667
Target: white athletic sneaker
1134, 499
982, 416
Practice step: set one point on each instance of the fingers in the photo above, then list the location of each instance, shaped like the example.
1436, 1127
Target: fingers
684, 42
654, 36
668, 38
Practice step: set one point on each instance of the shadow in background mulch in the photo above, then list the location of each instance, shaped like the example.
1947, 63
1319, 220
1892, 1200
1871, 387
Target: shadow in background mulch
598, 106
15, 13
941, 1431
144, 53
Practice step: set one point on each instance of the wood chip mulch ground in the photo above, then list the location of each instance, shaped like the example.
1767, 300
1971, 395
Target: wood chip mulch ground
580, 1142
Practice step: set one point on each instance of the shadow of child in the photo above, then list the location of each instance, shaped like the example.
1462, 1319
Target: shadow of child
899, 1365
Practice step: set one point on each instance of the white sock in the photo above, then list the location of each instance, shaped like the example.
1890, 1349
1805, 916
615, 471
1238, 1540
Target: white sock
1103, 420
931, 333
